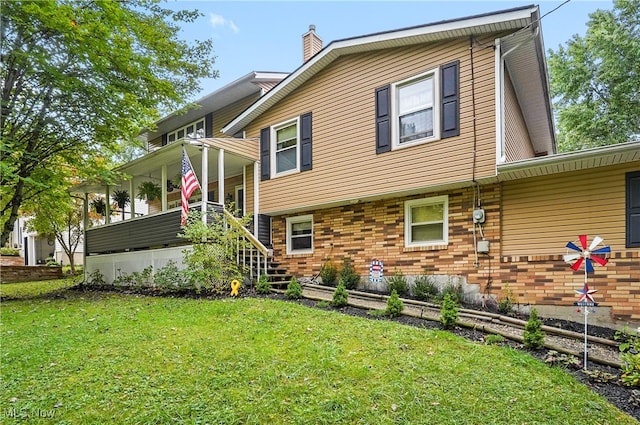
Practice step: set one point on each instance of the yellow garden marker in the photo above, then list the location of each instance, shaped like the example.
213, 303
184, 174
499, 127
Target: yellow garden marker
235, 285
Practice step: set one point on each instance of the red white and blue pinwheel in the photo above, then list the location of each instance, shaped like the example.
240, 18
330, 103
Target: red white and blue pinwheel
587, 255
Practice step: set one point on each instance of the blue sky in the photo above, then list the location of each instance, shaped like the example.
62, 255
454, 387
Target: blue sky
267, 35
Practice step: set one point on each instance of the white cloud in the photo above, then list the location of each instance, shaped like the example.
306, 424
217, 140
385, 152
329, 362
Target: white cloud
219, 20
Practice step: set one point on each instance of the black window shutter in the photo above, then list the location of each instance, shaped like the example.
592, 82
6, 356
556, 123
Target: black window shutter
383, 119
208, 125
450, 92
265, 153
164, 139
633, 209
305, 142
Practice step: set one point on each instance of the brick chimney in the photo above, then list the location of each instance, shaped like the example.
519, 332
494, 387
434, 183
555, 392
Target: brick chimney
311, 43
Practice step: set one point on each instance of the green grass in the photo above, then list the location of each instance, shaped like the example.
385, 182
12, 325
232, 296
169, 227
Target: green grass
24, 290
120, 359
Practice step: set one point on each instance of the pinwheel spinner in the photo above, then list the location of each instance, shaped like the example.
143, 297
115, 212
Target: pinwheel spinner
587, 255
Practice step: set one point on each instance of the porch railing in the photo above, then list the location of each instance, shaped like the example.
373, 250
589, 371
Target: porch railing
252, 254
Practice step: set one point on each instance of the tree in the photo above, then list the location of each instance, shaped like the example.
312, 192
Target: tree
80, 78
60, 217
595, 80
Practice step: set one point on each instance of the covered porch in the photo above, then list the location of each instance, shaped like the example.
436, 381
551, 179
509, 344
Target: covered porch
221, 166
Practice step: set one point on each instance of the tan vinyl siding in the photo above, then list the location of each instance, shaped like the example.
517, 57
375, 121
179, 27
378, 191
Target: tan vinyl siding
222, 116
249, 190
345, 164
541, 214
517, 141
247, 148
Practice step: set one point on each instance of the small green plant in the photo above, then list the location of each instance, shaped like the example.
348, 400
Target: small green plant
50, 261
169, 277
9, 251
294, 290
263, 286
143, 278
394, 305
377, 313
340, 296
454, 290
533, 334
448, 312
122, 279
506, 302
329, 273
348, 274
425, 289
630, 356
560, 359
95, 278
323, 304
397, 282
600, 376
493, 339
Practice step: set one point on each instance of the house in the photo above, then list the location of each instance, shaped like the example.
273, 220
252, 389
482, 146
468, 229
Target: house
430, 149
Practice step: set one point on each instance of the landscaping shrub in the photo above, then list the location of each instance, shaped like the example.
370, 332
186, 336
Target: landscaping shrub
95, 278
630, 356
9, 251
506, 302
394, 305
211, 262
454, 290
329, 273
348, 275
397, 282
533, 334
263, 286
294, 290
425, 289
448, 312
340, 296
50, 261
170, 278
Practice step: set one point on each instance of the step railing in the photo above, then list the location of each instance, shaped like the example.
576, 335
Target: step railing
251, 253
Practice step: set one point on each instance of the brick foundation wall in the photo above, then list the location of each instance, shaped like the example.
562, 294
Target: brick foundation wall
375, 230
12, 274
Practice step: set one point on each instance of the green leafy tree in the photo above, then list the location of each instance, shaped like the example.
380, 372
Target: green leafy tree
79, 79
59, 217
595, 80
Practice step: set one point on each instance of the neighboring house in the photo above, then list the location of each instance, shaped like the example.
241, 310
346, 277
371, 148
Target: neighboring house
430, 149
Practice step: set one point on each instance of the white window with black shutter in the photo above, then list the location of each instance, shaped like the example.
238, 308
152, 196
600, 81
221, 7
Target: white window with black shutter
300, 234
419, 109
286, 148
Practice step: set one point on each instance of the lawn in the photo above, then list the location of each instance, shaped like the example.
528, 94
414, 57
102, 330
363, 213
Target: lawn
23, 290
96, 358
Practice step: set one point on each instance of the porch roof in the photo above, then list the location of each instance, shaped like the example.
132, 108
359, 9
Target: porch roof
238, 154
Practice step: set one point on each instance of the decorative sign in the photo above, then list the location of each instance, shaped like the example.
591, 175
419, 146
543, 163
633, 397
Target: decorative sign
582, 254
376, 269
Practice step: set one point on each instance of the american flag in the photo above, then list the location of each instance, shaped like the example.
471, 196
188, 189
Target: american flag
189, 184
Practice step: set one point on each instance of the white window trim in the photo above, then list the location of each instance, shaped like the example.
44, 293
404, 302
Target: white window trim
175, 132
290, 222
274, 143
395, 127
445, 221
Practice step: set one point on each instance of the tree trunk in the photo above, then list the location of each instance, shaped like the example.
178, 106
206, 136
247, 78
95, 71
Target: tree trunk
15, 202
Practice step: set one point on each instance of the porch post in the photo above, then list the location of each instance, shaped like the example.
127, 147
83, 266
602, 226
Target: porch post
256, 198
107, 210
133, 198
163, 185
221, 176
204, 181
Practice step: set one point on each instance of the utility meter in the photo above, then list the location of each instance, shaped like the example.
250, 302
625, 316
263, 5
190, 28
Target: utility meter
478, 216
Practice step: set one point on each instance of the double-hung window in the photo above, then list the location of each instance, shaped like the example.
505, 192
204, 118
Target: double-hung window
416, 116
426, 221
285, 145
300, 234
